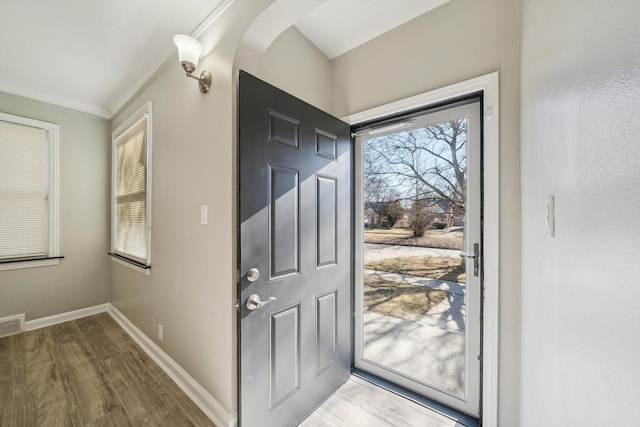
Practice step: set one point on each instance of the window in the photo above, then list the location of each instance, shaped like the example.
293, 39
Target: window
28, 193
131, 191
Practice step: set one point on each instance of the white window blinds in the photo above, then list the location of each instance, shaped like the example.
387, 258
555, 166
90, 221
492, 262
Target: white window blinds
24, 189
131, 187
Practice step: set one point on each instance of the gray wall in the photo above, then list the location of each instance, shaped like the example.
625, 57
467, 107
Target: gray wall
457, 41
83, 278
293, 64
192, 286
581, 289
190, 289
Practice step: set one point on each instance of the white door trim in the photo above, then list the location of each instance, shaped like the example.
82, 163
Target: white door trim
489, 85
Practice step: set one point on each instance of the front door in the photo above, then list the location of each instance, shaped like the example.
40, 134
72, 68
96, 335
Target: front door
295, 255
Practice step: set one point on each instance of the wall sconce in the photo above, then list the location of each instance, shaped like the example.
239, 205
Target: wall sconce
189, 50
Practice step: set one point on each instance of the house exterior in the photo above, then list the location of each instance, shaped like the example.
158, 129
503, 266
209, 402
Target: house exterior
441, 210
402, 222
372, 217
568, 124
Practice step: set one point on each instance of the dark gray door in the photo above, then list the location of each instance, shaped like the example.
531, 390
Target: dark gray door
295, 246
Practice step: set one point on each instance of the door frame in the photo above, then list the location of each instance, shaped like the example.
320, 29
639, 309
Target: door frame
488, 84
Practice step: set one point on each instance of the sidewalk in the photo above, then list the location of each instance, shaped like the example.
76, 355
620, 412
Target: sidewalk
427, 353
432, 349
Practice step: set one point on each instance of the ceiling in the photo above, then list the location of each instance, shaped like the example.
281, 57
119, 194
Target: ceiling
355, 22
92, 55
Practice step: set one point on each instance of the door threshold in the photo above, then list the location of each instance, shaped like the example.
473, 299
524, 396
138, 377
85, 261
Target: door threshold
441, 409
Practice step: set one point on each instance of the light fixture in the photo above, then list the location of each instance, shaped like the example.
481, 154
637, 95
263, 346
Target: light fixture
189, 50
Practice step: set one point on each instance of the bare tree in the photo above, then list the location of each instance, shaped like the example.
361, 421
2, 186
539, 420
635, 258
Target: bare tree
419, 218
376, 187
420, 164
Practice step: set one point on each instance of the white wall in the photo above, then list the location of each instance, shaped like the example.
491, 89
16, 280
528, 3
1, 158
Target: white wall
457, 41
83, 277
292, 63
581, 289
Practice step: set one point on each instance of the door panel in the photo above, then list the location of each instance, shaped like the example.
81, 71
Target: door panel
327, 220
295, 229
284, 353
326, 330
284, 214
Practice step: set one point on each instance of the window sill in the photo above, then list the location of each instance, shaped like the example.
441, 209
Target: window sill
131, 264
29, 263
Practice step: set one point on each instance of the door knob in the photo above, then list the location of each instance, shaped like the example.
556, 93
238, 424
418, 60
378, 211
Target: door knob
254, 302
253, 274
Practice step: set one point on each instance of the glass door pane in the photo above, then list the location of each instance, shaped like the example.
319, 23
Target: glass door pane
418, 217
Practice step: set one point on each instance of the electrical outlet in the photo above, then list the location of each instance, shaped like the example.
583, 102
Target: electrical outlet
160, 332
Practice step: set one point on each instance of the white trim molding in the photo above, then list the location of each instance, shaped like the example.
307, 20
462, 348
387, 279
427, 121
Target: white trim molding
145, 271
489, 86
94, 110
52, 132
145, 112
43, 322
201, 397
29, 264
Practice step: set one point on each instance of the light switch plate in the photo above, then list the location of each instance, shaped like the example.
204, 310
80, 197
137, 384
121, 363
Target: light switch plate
204, 214
549, 215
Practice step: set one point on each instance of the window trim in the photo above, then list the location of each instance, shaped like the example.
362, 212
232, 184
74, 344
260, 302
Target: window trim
52, 131
144, 111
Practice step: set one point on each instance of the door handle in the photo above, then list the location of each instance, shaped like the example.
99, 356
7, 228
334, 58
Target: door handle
475, 257
254, 302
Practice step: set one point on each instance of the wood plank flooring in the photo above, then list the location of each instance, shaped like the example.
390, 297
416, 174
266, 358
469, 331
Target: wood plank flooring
358, 403
87, 372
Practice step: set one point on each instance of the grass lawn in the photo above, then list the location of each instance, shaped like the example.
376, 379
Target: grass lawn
432, 267
400, 300
442, 239
381, 232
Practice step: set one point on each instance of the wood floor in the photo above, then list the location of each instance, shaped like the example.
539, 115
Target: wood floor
87, 372
358, 403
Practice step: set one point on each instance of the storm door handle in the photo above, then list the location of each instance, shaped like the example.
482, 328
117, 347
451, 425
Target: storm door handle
475, 257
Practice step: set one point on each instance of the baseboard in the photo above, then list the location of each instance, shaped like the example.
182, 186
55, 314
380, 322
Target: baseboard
43, 322
201, 397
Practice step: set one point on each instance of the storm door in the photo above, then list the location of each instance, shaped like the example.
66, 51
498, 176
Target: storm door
418, 253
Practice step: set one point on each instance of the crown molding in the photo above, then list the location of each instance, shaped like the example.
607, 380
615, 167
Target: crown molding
94, 110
